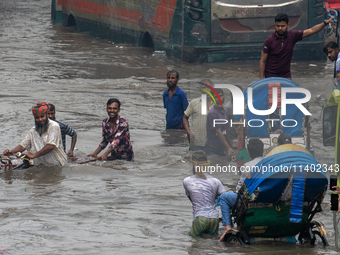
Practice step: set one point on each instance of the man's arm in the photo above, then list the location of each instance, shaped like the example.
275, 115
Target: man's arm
186, 126
73, 144
8, 152
73, 134
46, 149
317, 28
263, 62
224, 141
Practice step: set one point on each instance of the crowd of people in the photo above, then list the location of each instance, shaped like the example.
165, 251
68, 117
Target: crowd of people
45, 142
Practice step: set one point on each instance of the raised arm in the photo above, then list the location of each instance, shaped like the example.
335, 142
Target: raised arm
317, 28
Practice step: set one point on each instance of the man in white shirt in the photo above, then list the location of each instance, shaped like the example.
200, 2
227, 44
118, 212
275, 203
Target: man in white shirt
43, 142
202, 189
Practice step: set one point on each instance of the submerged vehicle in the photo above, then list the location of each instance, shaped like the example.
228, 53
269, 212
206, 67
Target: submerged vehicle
331, 137
280, 199
195, 30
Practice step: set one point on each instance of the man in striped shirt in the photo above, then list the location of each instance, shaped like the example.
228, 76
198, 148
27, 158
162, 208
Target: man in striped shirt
65, 130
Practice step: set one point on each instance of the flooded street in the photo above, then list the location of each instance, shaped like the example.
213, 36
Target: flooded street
113, 207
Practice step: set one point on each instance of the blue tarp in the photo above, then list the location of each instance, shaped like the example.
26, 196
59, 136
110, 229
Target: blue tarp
272, 173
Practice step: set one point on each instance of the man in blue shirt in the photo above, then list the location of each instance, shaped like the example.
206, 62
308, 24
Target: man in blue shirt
175, 102
64, 129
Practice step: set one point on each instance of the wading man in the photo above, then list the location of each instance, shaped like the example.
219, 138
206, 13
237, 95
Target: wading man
43, 142
277, 50
202, 190
197, 133
116, 134
175, 102
218, 140
64, 129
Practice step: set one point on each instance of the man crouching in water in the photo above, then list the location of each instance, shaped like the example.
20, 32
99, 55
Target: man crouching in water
43, 142
202, 189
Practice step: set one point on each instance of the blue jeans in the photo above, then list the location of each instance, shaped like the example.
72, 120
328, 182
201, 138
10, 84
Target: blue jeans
227, 202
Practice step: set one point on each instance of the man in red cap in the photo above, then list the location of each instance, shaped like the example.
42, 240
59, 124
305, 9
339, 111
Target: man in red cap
43, 142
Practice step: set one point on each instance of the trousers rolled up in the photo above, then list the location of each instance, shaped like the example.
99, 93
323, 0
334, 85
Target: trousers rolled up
227, 201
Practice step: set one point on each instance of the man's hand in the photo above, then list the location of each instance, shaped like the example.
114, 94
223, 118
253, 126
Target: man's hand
330, 20
70, 153
191, 138
337, 189
102, 157
230, 151
29, 155
7, 152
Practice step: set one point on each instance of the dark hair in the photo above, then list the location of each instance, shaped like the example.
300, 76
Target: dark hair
113, 100
51, 107
282, 17
255, 148
218, 91
173, 71
332, 45
284, 139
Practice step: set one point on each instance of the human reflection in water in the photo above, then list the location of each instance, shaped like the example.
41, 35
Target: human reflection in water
38, 174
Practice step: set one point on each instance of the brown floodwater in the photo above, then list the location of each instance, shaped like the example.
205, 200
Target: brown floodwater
113, 207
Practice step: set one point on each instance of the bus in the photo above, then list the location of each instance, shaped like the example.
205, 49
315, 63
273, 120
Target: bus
195, 30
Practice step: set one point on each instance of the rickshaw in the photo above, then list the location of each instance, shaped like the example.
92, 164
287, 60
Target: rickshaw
279, 200
285, 189
262, 100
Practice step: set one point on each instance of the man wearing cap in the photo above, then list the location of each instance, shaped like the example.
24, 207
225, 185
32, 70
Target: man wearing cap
43, 142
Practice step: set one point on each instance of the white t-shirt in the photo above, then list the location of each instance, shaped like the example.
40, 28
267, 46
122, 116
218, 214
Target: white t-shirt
337, 63
202, 193
34, 143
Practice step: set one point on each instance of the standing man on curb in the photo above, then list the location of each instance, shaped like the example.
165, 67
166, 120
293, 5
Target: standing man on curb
175, 102
277, 50
64, 129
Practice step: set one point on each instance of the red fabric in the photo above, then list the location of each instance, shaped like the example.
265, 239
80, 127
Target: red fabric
40, 109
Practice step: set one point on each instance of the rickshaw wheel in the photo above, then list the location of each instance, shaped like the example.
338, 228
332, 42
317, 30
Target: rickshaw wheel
233, 239
323, 238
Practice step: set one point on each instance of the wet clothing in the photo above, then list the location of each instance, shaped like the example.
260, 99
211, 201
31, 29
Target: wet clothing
203, 225
214, 144
175, 108
280, 52
227, 201
198, 122
119, 139
65, 130
34, 143
202, 193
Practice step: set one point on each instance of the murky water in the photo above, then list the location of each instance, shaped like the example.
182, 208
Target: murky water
112, 207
